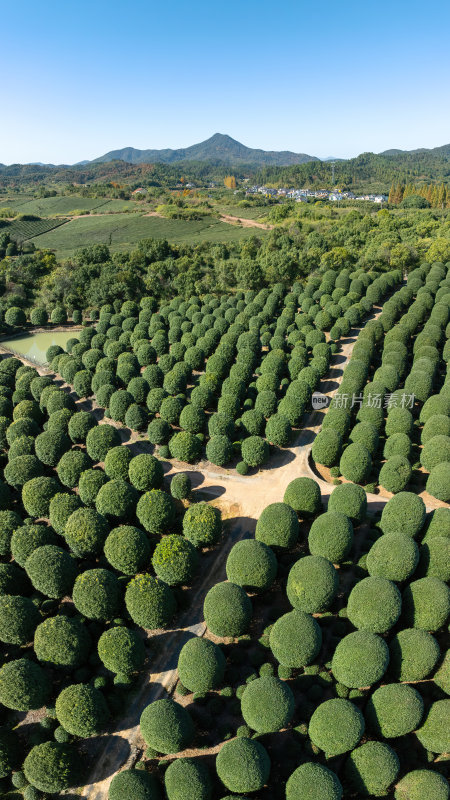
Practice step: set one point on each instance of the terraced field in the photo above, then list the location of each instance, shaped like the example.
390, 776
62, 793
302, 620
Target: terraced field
123, 231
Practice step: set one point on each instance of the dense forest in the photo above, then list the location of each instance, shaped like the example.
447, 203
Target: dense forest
315, 237
368, 171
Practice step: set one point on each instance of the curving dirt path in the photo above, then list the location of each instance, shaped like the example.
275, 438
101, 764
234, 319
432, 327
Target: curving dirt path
241, 500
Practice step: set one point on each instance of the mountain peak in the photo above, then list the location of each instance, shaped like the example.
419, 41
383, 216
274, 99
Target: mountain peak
219, 149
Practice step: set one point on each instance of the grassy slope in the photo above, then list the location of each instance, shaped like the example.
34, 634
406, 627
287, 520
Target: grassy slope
123, 231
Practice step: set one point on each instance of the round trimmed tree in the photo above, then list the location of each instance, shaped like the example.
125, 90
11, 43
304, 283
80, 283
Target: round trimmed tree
311, 781
156, 511
86, 531
127, 549
278, 526
251, 564
405, 512
331, 536
51, 767
121, 650
201, 665
336, 726
23, 685
62, 642
393, 556
312, 584
360, 659
166, 726
421, 783
175, 560
303, 495
150, 602
243, 765
96, 594
374, 604
267, 704
51, 570
18, 619
227, 610
81, 709
394, 710
295, 639
135, 784
372, 768
202, 524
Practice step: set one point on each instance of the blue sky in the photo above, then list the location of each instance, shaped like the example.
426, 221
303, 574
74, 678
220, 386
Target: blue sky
81, 78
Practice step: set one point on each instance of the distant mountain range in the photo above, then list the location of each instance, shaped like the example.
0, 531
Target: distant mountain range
218, 149
222, 150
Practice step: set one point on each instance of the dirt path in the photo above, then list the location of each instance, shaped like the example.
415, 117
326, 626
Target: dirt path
241, 500
229, 219
245, 223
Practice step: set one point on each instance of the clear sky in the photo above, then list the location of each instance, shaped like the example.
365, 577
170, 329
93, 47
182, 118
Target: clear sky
326, 78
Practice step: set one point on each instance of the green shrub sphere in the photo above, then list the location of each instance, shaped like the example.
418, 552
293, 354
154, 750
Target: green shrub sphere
394, 710
51, 570
295, 639
202, 524
243, 765
227, 610
23, 685
175, 560
303, 495
312, 584
134, 784
312, 781
393, 556
90, 483
51, 767
71, 465
121, 650
360, 659
62, 642
267, 704
86, 531
278, 526
81, 709
336, 726
166, 726
18, 619
201, 665
355, 463
438, 483
434, 735
331, 536
426, 604
127, 549
327, 447
372, 768
413, 654
251, 564
186, 777
36, 495
421, 783
150, 602
101, 439
145, 472
405, 512
374, 604
96, 594
155, 511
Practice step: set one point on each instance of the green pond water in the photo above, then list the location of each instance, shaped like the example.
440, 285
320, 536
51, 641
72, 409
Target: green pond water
35, 345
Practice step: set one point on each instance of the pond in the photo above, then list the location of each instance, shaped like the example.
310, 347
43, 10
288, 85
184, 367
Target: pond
35, 345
